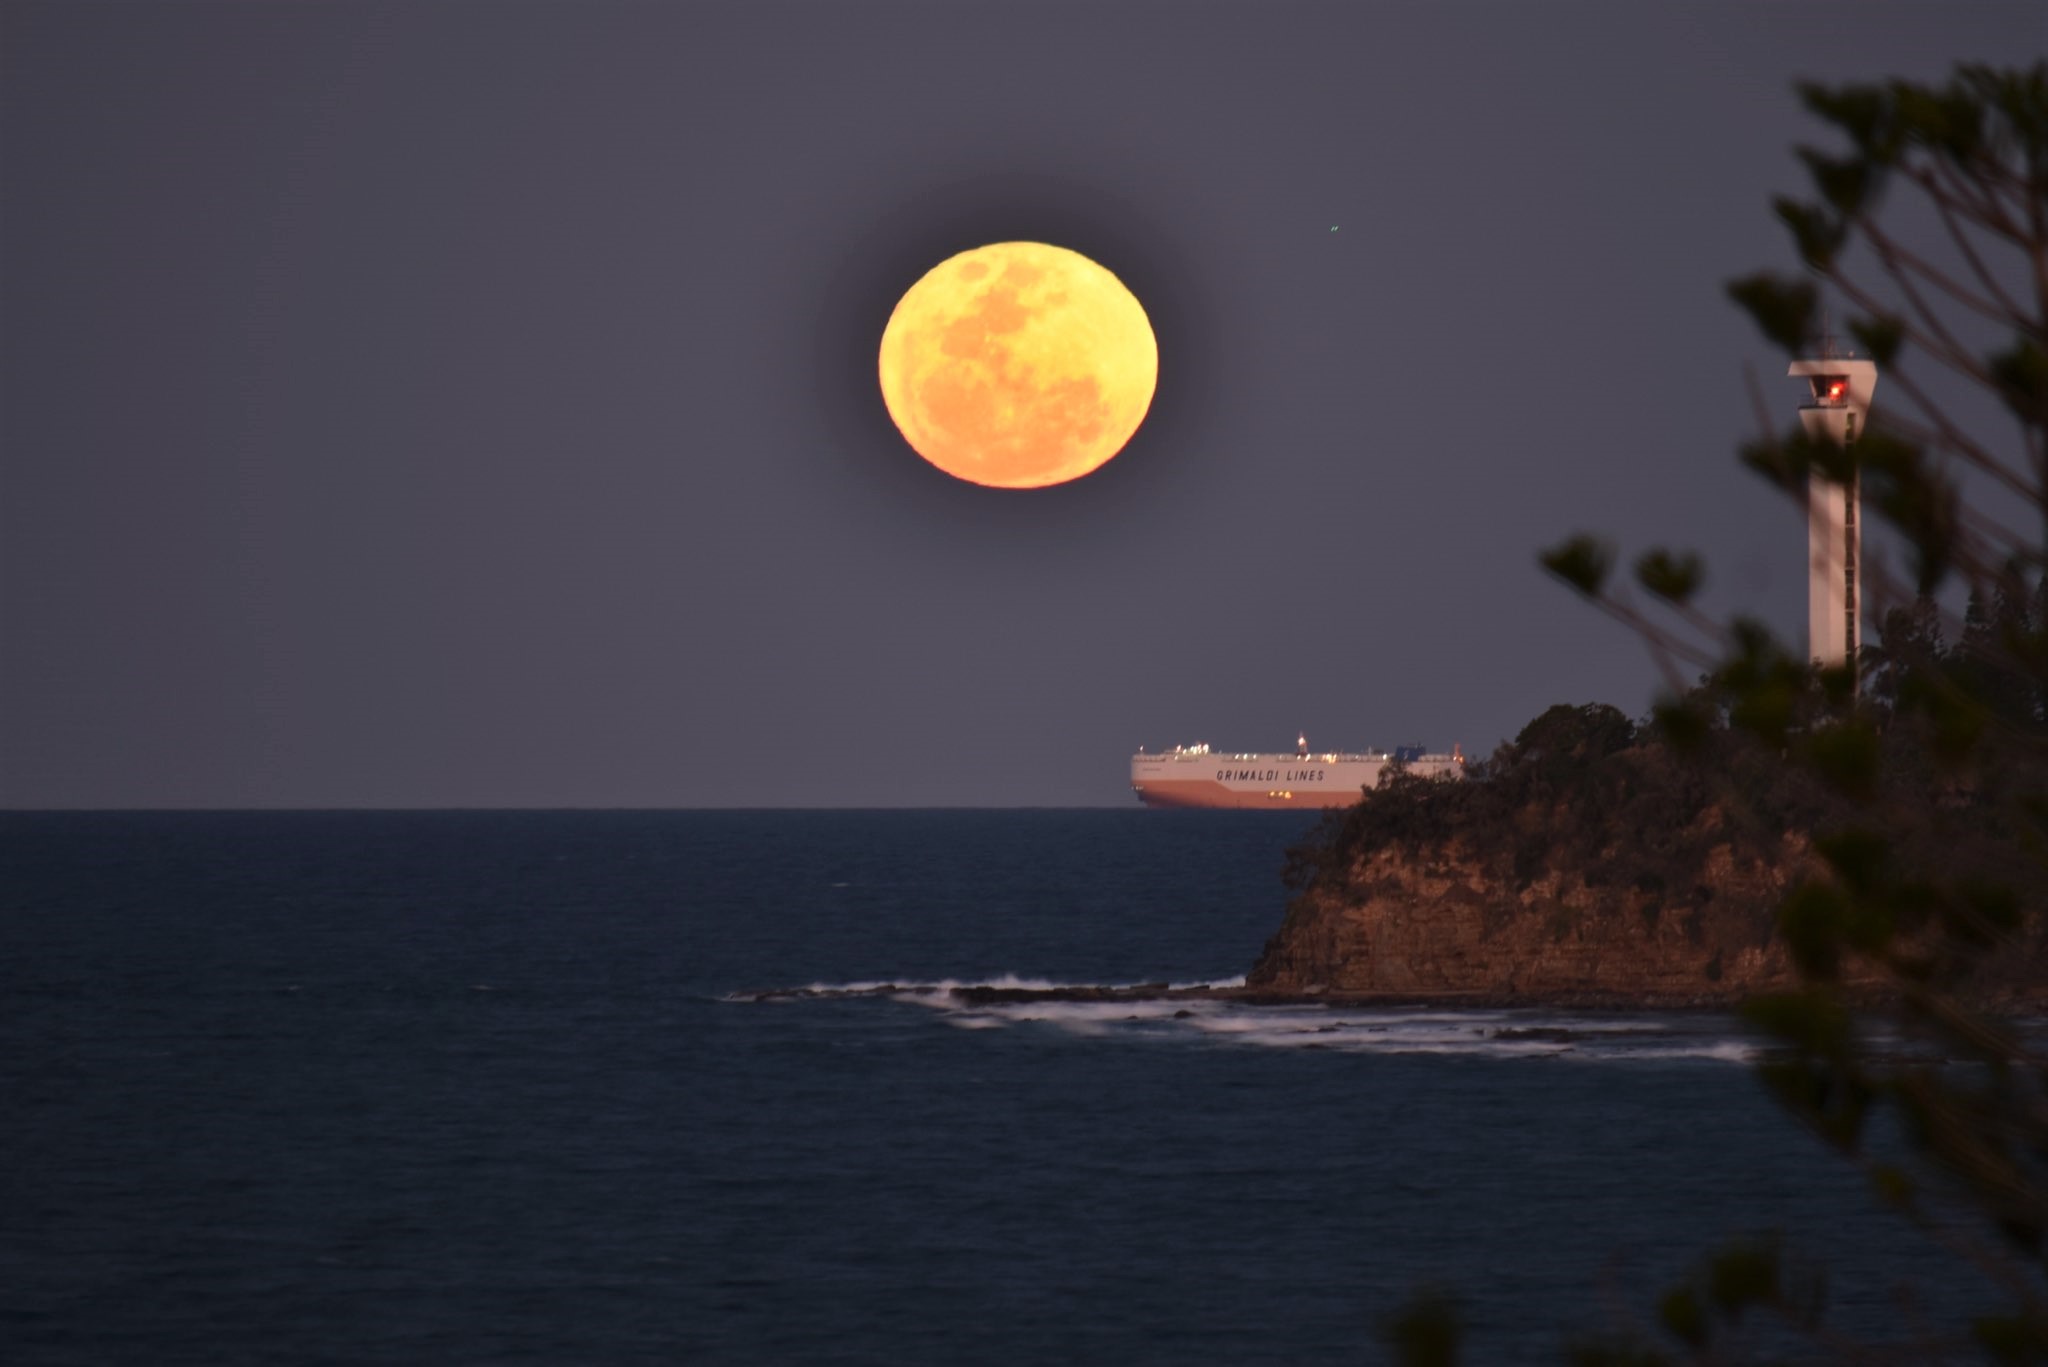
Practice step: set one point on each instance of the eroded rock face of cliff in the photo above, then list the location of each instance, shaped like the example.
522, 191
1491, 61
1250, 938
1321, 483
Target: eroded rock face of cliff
1587, 863
1439, 918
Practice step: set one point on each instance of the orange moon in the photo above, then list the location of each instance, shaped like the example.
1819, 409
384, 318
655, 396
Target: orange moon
1018, 365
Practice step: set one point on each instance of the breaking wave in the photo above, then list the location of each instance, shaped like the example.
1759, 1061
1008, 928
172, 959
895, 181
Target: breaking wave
1179, 1012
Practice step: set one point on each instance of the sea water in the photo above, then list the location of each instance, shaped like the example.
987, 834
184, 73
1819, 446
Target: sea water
478, 1087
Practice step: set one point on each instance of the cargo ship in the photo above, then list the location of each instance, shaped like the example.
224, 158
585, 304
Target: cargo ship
1197, 776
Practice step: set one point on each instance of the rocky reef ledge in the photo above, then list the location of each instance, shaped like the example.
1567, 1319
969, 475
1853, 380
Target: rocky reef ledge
1137, 993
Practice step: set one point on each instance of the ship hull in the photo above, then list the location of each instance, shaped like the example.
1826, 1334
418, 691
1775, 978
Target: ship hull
1210, 793
1197, 778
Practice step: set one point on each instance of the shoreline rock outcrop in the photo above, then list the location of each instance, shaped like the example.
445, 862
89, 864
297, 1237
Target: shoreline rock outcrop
1590, 864
1434, 920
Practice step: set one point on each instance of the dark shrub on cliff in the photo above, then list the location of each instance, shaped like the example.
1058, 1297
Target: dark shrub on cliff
1582, 794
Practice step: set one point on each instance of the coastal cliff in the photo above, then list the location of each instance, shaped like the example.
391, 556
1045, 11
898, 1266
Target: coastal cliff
1587, 865
1436, 920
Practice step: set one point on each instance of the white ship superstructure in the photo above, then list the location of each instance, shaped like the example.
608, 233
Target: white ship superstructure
1198, 776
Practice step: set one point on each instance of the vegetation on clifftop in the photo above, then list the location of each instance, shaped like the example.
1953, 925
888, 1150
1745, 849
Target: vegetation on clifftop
1585, 795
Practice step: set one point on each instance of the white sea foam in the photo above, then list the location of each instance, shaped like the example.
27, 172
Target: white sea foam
907, 988
965, 1022
1190, 1017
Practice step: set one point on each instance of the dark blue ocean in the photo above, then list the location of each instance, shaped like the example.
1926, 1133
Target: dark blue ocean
488, 1088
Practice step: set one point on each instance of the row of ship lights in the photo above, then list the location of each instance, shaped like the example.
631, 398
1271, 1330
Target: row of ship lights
1301, 751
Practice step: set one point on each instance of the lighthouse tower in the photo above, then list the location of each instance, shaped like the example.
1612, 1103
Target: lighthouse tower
1834, 532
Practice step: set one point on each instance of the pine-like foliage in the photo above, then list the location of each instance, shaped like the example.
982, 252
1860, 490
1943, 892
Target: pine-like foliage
1932, 749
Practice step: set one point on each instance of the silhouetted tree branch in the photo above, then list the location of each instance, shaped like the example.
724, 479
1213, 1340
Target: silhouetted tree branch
1927, 920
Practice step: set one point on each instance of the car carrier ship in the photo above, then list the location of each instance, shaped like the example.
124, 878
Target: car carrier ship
1197, 776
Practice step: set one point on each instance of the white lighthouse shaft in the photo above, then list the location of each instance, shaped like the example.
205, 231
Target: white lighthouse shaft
1842, 389
1834, 544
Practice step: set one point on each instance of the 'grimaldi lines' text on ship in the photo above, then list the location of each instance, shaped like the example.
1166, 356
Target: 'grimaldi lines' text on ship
1197, 776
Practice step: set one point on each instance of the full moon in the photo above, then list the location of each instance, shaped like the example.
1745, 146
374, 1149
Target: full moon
1018, 365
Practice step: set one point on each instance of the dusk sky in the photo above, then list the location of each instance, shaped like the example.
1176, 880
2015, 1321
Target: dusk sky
476, 405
